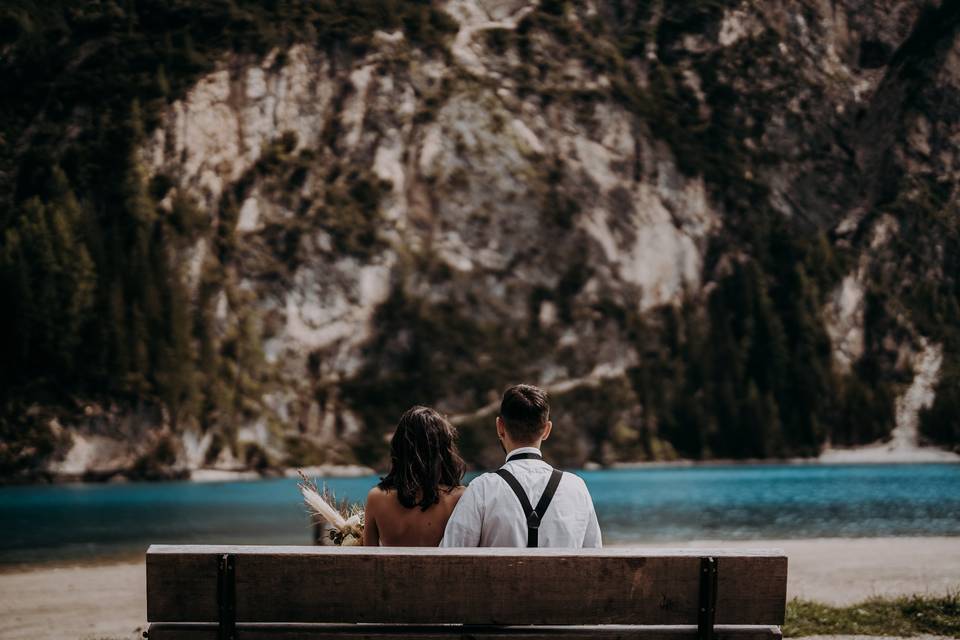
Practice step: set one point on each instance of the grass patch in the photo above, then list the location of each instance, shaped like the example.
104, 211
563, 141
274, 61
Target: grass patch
905, 616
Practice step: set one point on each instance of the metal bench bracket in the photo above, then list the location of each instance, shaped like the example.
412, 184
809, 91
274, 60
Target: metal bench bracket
226, 598
707, 605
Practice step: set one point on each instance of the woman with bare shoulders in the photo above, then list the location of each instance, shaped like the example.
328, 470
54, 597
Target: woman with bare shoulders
411, 505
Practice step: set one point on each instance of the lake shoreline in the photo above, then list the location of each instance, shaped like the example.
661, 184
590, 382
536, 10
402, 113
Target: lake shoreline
838, 461
870, 455
106, 598
202, 475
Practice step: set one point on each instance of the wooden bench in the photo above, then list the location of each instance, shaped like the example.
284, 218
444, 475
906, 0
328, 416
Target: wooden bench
249, 592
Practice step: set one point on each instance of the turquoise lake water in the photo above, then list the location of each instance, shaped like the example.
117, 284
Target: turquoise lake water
67, 522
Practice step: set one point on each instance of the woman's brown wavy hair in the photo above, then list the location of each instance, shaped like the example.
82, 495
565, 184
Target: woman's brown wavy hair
424, 458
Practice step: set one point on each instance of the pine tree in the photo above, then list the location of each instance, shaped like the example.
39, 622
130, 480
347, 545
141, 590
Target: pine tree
52, 283
767, 355
163, 85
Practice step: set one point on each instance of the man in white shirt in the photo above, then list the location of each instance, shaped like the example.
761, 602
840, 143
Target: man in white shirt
514, 506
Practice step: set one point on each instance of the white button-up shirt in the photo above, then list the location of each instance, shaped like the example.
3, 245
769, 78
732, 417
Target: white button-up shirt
489, 513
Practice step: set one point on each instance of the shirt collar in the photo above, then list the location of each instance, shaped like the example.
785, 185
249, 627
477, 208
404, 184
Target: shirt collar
523, 450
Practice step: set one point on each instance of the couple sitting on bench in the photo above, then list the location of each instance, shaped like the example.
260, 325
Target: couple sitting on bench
372, 592
421, 502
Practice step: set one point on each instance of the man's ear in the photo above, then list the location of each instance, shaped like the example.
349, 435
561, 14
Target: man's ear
546, 431
501, 430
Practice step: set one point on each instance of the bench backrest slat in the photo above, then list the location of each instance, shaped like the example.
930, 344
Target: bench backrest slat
464, 586
208, 631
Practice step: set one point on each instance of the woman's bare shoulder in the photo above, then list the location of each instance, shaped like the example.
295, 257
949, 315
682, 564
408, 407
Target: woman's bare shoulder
377, 494
455, 492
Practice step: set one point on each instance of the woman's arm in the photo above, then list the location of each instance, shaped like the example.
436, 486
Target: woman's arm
371, 534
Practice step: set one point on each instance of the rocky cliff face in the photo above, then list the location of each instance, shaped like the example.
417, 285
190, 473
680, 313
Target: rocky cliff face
482, 207
563, 194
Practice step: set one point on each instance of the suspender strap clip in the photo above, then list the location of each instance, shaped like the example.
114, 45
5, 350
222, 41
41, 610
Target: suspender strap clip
534, 516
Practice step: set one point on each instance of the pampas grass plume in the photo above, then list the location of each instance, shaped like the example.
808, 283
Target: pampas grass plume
317, 505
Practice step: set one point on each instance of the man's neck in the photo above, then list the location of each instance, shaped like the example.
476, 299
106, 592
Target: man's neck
527, 448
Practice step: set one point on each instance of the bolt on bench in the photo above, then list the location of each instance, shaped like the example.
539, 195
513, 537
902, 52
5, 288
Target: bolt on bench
253, 592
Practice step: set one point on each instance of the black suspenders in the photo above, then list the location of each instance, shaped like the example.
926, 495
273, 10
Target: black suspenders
534, 516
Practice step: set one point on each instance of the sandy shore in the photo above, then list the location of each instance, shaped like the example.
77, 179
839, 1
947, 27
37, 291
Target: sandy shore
105, 601
108, 601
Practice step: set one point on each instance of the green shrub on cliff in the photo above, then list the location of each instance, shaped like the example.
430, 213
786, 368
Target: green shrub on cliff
29, 439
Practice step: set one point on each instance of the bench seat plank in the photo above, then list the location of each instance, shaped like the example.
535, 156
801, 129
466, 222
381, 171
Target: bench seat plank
252, 631
464, 586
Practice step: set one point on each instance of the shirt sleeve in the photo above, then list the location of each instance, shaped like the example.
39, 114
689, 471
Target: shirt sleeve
466, 521
591, 537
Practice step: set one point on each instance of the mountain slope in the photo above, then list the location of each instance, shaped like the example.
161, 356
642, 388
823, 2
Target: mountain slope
713, 229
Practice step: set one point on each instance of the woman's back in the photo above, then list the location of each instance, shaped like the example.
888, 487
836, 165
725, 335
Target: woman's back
389, 523
412, 503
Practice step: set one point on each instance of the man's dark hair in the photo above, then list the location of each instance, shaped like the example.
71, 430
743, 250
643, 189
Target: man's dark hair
423, 459
524, 411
